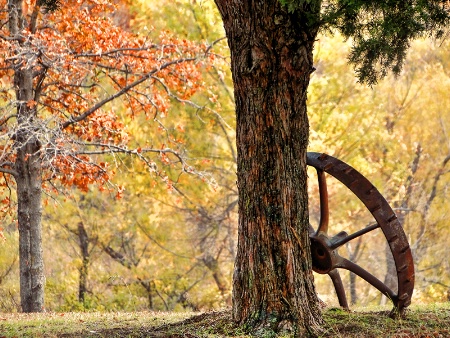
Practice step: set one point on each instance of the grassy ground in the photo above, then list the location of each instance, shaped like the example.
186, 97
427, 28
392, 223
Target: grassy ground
420, 322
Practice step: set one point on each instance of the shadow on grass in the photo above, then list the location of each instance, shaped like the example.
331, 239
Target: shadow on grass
217, 323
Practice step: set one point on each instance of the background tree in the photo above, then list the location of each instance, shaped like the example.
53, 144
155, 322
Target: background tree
271, 47
59, 81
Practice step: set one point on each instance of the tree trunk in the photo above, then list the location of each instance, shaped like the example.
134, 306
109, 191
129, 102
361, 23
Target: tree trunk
148, 287
271, 62
29, 185
84, 268
353, 294
354, 256
28, 171
213, 265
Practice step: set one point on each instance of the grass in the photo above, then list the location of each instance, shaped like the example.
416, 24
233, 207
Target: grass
420, 321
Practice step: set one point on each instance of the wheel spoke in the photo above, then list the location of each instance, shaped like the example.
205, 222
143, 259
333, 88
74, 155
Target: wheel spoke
364, 274
339, 287
342, 237
324, 211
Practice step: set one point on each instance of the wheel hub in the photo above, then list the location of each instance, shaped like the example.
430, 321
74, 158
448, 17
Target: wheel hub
322, 255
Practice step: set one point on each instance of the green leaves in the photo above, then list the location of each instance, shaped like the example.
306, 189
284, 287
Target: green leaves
381, 31
293, 5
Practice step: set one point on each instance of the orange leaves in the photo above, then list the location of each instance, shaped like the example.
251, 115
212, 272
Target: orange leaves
119, 193
5, 205
31, 104
180, 128
80, 171
213, 98
164, 158
101, 126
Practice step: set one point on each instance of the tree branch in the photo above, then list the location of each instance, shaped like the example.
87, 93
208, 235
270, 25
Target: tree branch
115, 51
8, 171
147, 234
121, 92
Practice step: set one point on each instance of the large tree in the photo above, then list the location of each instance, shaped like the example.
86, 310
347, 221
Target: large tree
271, 45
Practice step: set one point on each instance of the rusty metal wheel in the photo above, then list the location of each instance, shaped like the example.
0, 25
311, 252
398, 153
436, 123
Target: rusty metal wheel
324, 248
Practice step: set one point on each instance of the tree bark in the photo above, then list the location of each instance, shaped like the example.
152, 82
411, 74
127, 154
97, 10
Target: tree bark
271, 62
28, 168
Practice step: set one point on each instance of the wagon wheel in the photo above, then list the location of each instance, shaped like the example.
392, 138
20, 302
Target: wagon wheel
324, 249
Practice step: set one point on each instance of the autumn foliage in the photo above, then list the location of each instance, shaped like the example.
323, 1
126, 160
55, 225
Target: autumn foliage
86, 69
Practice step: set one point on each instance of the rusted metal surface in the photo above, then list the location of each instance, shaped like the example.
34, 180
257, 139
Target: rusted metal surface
324, 248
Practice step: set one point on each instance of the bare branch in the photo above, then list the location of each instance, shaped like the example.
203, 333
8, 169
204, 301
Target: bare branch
147, 234
5, 119
9, 38
115, 51
213, 43
8, 269
436, 179
121, 92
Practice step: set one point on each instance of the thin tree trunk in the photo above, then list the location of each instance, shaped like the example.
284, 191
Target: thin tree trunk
271, 62
28, 171
148, 287
213, 265
354, 256
84, 248
29, 187
353, 294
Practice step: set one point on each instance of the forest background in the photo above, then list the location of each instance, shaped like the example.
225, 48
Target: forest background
168, 242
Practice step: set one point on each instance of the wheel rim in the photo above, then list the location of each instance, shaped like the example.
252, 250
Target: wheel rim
326, 259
